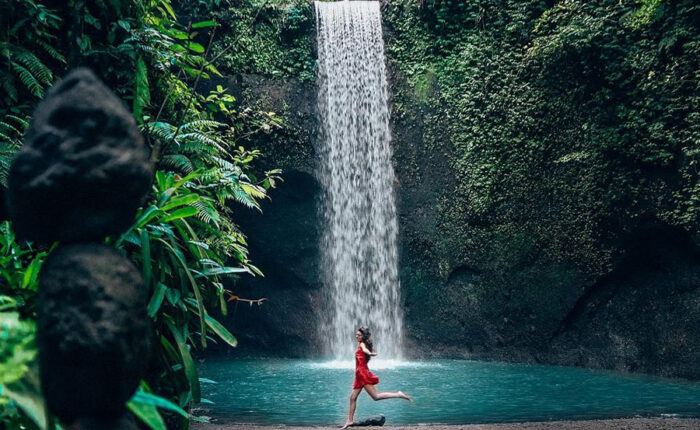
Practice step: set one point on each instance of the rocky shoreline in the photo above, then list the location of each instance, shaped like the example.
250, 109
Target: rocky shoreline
612, 424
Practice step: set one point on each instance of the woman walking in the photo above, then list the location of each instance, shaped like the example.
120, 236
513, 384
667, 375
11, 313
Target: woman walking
364, 378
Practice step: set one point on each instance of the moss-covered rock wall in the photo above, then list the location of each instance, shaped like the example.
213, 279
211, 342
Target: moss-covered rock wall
546, 155
549, 203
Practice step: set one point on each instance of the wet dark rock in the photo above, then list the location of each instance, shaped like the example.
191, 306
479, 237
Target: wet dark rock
374, 420
285, 242
93, 331
642, 316
83, 169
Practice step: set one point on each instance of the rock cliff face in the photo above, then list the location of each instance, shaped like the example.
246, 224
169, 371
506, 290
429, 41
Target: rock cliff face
285, 239
510, 304
512, 286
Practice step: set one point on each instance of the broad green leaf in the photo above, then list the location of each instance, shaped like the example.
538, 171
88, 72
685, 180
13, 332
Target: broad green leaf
195, 288
31, 273
169, 8
181, 201
223, 271
147, 216
156, 299
195, 47
148, 414
7, 302
177, 34
180, 213
145, 398
221, 331
203, 24
146, 257
173, 295
187, 362
142, 91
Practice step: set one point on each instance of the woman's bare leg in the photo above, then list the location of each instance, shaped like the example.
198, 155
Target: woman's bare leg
383, 396
353, 404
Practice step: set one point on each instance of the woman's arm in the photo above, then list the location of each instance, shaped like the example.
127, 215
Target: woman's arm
367, 351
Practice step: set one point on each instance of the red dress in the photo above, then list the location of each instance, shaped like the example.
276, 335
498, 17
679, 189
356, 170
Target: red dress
362, 374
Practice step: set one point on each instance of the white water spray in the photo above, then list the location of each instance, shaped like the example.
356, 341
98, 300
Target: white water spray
359, 252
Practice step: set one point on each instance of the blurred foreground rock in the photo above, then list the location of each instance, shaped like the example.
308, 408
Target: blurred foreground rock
83, 169
81, 175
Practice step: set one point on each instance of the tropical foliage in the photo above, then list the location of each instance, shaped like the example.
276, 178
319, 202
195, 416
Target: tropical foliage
183, 239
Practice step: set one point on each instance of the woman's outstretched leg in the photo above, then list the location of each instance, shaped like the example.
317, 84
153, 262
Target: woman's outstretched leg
383, 396
353, 404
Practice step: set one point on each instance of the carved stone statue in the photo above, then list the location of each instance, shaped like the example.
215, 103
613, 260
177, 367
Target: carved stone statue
81, 175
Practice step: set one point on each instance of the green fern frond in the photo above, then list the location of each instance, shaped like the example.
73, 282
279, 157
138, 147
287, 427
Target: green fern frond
159, 130
200, 124
244, 198
7, 83
7, 129
23, 122
206, 212
212, 175
53, 53
225, 164
203, 138
198, 148
8, 149
35, 66
178, 162
254, 191
28, 80
4, 137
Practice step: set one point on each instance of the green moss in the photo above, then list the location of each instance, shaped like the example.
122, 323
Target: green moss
564, 125
270, 38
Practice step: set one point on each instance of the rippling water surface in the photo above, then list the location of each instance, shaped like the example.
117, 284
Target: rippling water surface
304, 392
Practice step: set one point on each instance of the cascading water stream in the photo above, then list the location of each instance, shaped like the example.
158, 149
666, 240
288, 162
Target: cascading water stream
359, 251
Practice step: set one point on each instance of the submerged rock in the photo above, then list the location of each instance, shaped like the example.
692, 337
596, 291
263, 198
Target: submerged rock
83, 169
93, 332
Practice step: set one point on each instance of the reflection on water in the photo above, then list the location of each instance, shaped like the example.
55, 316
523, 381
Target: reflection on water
305, 392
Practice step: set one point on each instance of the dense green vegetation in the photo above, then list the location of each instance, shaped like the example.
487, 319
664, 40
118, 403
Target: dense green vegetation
550, 133
581, 116
183, 239
271, 38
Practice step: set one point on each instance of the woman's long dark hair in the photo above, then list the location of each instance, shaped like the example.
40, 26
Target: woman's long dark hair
366, 338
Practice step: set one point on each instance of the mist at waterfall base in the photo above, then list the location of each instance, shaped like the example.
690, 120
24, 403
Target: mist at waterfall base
304, 392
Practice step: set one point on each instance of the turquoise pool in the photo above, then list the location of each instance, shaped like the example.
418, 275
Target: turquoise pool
305, 392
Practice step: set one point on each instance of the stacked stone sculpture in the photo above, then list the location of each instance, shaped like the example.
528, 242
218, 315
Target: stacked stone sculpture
81, 175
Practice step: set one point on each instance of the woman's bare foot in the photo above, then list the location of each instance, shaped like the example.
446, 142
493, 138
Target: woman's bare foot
346, 425
406, 396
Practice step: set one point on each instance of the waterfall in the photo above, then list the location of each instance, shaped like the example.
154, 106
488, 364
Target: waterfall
359, 251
